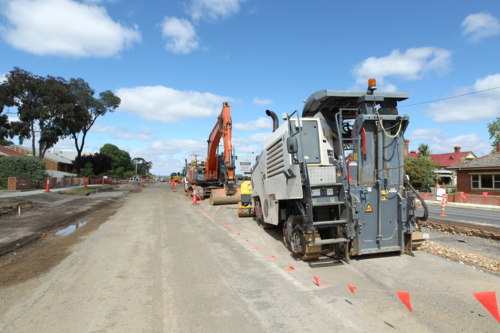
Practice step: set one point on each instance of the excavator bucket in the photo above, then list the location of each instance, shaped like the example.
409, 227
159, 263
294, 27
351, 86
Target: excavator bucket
219, 197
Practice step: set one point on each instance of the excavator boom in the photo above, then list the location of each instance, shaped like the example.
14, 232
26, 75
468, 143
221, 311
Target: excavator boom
223, 128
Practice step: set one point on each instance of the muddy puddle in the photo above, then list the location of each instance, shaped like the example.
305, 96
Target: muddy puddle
70, 229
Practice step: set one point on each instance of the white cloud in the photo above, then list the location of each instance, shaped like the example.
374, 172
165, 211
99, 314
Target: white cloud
63, 144
180, 35
213, 9
260, 124
262, 102
168, 155
411, 65
102, 128
471, 108
259, 138
479, 26
2, 77
168, 105
440, 143
428, 134
145, 134
65, 28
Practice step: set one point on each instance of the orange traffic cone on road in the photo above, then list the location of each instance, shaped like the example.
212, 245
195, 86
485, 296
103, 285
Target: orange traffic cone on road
47, 188
442, 209
419, 203
175, 187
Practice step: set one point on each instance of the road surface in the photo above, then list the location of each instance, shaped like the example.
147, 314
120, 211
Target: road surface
464, 214
161, 264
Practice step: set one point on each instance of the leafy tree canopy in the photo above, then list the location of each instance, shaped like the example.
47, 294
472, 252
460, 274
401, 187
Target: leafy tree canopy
92, 107
143, 166
420, 172
121, 158
101, 163
494, 131
424, 149
44, 104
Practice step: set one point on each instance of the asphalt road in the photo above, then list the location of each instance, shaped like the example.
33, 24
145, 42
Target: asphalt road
162, 265
474, 215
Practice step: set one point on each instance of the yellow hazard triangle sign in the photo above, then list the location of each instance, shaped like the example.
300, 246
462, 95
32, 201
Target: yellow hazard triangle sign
369, 208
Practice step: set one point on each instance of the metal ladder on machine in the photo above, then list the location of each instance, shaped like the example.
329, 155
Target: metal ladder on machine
343, 208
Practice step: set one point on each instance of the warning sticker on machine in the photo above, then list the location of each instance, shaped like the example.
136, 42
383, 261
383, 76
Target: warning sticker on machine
369, 208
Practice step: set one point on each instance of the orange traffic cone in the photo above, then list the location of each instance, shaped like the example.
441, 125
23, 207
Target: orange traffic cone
442, 209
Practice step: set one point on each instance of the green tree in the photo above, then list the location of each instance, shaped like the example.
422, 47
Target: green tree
420, 171
88, 170
143, 166
121, 158
424, 150
44, 104
6, 143
128, 174
92, 107
494, 131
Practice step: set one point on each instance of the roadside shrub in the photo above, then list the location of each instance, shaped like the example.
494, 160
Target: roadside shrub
128, 174
88, 171
23, 166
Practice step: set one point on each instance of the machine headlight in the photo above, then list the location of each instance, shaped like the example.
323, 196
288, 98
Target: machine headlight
316, 192
329, 191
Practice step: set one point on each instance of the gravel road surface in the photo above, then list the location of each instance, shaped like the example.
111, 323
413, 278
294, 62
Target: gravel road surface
161, 264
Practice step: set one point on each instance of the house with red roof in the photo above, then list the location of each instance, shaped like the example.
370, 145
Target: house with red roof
479, 175
448, 176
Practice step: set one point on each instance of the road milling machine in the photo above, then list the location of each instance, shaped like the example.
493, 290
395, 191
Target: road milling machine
215, 176
334, 178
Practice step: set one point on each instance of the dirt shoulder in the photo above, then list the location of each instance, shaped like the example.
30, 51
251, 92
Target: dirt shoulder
51, 211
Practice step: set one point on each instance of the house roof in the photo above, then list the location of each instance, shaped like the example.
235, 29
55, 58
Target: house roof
9, 152
445, 160
488, 161
49, 156
449, 159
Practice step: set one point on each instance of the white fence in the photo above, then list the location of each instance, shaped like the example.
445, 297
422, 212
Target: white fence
59, 174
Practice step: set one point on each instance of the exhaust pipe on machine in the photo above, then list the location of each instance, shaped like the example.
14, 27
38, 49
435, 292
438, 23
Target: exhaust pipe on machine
276, 122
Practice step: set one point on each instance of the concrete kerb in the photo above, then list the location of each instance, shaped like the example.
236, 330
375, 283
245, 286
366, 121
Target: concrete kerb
17, 193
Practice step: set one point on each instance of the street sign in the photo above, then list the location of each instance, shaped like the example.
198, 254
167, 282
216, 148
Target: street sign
245, 165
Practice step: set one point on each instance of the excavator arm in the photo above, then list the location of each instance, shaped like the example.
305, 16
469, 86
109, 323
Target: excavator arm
223, 129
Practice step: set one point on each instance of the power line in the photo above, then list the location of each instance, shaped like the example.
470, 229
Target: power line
442, 99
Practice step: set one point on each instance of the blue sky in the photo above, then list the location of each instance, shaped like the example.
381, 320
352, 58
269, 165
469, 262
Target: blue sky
173, 63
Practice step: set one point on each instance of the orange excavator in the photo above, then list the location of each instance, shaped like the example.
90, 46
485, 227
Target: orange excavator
216, 176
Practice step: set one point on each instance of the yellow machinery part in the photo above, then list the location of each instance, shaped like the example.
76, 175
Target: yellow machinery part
245, 211
246, 187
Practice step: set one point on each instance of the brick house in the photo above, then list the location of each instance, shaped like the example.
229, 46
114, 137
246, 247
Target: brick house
53, 161
479, 175
448, 176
